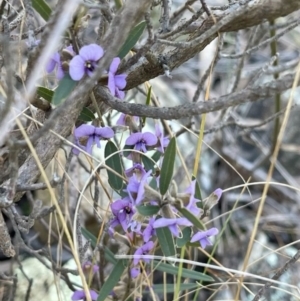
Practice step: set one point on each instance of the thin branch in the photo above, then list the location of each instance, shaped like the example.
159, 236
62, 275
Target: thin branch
253, 93
280, 272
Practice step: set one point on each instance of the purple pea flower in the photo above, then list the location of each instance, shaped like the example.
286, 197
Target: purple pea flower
87, 266
125, 119
123, 212
137, 168
135, 271
143, 250
202, 237
162, 141
172, 223
136, 189
86, 61
192, 205
149, 230
53, 63
141, 141
94, 135
116, 81
80, 295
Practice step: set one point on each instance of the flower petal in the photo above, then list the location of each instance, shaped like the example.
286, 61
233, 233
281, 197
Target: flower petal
104, 132
164, 222
120, 80
77, 67
92, 52
78, 295
150, 139
120, 94
111, 83
134, 138
84, 130
114, 65
94, 295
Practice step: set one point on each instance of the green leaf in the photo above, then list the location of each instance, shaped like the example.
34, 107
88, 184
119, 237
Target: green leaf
147, 210
133, 37
86, 115
166, 241
150, 163
147, 101
191, 217
47, 94
197, 190
186, 237
112, 280
114, 162
169, 287
127, 153
186, 273
167, 167
42, 8
65, 87
89, 236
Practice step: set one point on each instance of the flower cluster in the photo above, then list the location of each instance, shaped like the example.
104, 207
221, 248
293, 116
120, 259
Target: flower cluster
142, 184
85, 63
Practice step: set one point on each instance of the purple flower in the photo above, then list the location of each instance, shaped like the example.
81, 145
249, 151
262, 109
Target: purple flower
143, 250
149, 230
125, 119
136, 189
202, 237
141, 141
53, 63
123, 212
116, 82
192, 205
162, 141
135, 271
172, 224
80, 295
86, 61
135, 226
94, 135
137, 168
87, 266
218, 192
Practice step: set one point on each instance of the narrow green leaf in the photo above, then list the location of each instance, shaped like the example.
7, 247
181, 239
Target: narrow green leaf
197, 190
147, 101
65, 87
169, 287
191, 217
186, 237
112, 280
47, 94
186, 273
86, 115
89, 236
166, 241
42, 8
148, 210
114, 163
150, 163
167, 167
132, 39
